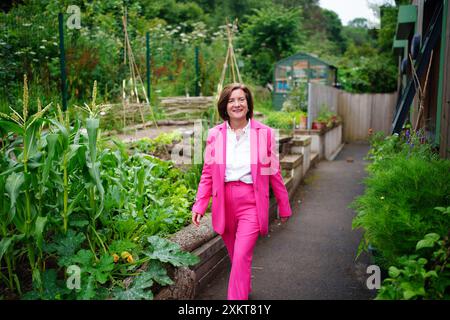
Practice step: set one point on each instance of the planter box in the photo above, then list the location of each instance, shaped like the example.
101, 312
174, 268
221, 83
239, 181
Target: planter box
326, 142
302, 145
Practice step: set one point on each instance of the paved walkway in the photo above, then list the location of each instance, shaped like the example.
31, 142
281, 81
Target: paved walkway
313, 255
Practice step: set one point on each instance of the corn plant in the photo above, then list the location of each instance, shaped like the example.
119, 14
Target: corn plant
19, 181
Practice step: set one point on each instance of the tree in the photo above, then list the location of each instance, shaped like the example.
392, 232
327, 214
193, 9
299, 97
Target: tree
361, 23
270, 34
333, 28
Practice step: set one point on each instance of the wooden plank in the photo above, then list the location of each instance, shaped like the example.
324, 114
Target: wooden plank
346, 116
207, 277
206, 267
355, 103
364, 117
341, 113
209, 249
362, 113
367, 107
375, 106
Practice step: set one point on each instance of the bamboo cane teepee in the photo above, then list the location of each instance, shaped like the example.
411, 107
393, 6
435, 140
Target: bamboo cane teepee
135, 80
230, 62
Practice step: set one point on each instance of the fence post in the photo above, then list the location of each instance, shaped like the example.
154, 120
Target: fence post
197, 72
147, 35
310, 106
62, 62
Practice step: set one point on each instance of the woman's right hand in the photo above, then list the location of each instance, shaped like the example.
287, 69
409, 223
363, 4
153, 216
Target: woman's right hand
196, 218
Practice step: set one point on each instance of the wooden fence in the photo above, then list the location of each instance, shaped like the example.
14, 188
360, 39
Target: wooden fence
360, 112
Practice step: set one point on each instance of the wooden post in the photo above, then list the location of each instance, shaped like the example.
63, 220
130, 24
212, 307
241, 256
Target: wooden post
147, 36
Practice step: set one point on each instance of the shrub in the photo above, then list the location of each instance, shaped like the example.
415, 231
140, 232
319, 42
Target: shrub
283, 120
405, 183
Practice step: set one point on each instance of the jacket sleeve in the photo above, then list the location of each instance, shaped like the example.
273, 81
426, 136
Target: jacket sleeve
204, 191
276, 180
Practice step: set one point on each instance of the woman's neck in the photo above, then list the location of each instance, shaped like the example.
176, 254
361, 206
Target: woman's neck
238, 124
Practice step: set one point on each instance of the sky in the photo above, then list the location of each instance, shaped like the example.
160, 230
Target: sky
348, 10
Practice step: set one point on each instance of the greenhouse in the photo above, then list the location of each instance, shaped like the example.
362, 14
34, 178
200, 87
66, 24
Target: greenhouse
300, 69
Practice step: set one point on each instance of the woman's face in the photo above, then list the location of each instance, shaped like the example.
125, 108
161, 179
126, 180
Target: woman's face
237, 107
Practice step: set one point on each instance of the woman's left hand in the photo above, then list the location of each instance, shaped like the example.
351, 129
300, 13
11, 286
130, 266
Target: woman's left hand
284, 219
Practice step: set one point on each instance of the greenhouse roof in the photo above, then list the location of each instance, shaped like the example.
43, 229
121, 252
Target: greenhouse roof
305, 55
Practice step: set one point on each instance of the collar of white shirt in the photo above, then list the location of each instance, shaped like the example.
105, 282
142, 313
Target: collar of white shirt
244, 130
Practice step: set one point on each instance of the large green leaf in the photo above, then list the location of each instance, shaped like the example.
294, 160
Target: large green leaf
94, 171
92, 126
11, 127
75, 201
4, 245
428, 241
39, 231
3, 209
64, 134
159, 273
87, 291
13, 184
118, 246
139, 290
103, 268
31, 138
167, 251
52, 140
65, 246
75, 155
84, 259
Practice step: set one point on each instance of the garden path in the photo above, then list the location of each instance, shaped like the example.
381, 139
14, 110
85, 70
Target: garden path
150, 132
313, 255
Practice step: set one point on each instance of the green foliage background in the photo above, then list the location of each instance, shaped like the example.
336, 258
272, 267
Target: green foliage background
268, 30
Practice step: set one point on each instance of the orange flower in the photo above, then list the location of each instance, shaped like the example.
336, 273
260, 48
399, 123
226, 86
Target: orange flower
116, 258
125, 254
130, 259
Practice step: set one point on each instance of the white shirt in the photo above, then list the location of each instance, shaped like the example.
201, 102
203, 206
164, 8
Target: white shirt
238, 156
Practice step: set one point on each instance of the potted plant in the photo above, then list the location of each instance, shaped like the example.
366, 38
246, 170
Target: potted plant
319, 123
303, 120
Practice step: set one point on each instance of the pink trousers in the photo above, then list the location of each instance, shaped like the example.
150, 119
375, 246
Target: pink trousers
240, 236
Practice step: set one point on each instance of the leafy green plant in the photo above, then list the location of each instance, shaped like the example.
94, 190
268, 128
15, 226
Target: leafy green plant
297, 99
69, 200
424, 275
403, 187
159, 145
283, 120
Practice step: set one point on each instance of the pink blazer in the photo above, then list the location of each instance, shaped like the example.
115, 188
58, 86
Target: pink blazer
265, 168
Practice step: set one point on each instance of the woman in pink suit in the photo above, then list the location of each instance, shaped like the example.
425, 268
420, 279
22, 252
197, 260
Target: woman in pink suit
241, 158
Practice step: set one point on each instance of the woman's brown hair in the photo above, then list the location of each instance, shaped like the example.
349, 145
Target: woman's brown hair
225, 96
